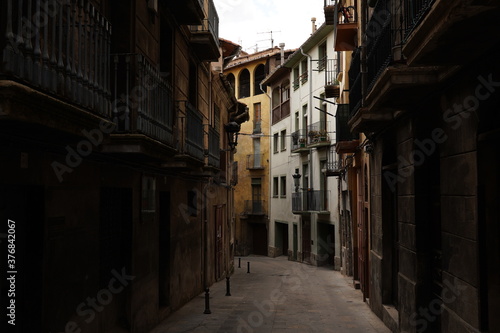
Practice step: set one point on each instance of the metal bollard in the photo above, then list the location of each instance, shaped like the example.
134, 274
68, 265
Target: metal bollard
239, 262
248, 266
228, 287
207, 302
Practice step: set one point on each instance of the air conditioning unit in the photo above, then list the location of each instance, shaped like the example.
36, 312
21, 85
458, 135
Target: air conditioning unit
153, 5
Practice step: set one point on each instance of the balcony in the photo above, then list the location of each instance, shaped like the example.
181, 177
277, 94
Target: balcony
355, 78
213, 148
329, 9
187, 11
433, 30
317, 135
65, 59
332, 86
299, 142
347, 26
143, 107
310, 201
205, 37
255, 162
334, 164
342, 130
254, 207
192, 145
281, 111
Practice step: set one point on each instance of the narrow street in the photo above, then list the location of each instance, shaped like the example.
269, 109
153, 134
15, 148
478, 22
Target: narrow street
277, 296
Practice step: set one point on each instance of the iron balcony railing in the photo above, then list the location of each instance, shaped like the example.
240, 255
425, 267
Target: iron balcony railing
65, 52
355, 79
413, 12
254, 207
193, 144
143, 100
210, 23
347, 11
213, 147
332, 71
378, 42
318, 133
299, 140
310, 201
333, 163
255, 162
342, 130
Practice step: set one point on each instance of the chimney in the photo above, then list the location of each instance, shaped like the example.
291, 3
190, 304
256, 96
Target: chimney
282, 47
313, 20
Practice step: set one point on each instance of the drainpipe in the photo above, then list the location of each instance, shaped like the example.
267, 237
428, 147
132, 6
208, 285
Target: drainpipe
309, 115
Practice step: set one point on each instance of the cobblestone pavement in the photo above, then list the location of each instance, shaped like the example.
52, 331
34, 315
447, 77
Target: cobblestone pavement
278, 296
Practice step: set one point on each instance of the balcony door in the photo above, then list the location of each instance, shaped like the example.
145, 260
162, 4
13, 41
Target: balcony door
256, 195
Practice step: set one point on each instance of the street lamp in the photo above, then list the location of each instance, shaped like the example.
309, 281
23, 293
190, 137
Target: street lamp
296, 179
232, 130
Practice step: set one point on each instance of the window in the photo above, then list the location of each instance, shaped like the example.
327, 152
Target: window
276, 97
257, 120
244, 84
322, 57
285, 91
260, 74
231, 80
166, 51
283, 187
193, 84
297, 122
296, 78
276, 142
216, 123
275, 187
305, 71
283, 140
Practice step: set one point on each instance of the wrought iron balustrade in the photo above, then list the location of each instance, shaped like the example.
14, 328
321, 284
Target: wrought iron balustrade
59, 47
355, 79
254, 207
379, 42
193, 144
143, 100
213, 147
254, 162
310, 201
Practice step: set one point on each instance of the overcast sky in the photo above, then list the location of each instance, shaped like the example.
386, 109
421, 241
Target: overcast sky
247, 22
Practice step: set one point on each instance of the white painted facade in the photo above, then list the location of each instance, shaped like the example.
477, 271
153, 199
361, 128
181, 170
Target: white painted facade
310, 162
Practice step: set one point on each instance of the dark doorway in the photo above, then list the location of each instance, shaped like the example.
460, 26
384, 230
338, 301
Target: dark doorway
219, 241
295, 242
489, 229
164, 250
115, 233
281, 238
259, 231
326, 244
306, 240
24, 207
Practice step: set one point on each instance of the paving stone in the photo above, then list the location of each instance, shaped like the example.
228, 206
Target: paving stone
278, 296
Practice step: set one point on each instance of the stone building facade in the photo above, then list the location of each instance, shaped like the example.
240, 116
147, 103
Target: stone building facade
115, 165
426, 99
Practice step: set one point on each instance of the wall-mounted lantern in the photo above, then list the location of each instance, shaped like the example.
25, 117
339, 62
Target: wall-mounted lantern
232, 131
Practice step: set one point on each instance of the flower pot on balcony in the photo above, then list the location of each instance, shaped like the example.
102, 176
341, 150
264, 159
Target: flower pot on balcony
329, 15
332, 91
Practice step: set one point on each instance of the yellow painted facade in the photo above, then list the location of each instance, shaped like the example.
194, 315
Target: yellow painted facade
251, 203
